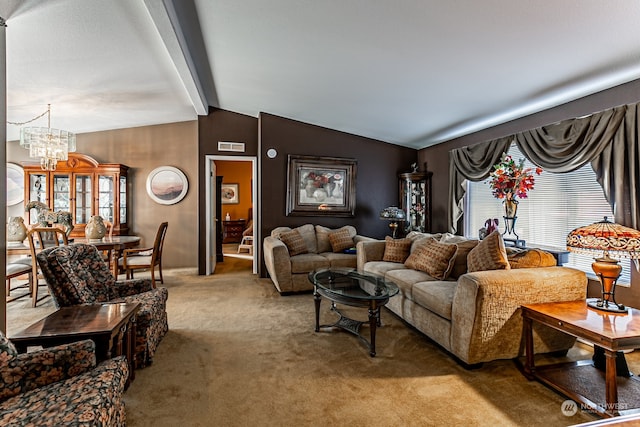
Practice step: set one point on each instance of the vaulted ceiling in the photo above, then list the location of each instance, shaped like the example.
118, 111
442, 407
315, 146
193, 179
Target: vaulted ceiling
409, 72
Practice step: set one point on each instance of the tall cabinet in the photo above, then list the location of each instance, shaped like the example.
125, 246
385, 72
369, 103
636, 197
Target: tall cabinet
83, 187
415, 200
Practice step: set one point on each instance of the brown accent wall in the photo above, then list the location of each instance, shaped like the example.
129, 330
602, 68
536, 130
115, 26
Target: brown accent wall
378, 164
143, 149
220, 125
438, 155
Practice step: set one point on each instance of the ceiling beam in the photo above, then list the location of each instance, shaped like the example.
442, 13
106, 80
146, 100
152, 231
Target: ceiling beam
166, 21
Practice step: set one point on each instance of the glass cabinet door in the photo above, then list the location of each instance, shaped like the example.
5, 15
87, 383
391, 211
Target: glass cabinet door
123, 200
415, 201
61, 193
37, 187
106, 196
83, 199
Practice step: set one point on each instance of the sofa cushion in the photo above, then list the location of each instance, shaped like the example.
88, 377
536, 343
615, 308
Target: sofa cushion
341, 259
433, 257
322, 237
340, 240
464, 247
436, 296
396, 250
529, 258
382, 267
294, 242
489, 254
406, 278
304, 263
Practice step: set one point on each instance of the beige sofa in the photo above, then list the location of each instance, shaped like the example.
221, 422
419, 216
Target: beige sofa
475, 316
289, 273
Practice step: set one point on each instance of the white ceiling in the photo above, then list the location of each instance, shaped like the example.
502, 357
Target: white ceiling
409, 72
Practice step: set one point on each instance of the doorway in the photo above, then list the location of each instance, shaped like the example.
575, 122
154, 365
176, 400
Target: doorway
231, 206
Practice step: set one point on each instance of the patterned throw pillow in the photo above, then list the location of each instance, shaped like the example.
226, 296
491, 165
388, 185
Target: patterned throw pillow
322, 236
295, 243
434, 258
396, 250
490, 254
530, 258
341, 240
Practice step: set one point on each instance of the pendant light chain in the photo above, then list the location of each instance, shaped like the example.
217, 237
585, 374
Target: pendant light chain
35, 118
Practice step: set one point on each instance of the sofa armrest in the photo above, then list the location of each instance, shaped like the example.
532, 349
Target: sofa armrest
369, 250
277, 261
486, 314
124, 288
28, 371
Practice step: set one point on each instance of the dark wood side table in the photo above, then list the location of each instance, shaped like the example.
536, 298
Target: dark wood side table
232, 230
112, 326
606, 393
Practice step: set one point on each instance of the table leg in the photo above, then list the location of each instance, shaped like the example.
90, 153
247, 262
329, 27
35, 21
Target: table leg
374, 318
131, 348
316, 300
529, 367
611, 382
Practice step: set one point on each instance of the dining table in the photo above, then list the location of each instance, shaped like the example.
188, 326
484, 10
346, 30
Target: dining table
113, 245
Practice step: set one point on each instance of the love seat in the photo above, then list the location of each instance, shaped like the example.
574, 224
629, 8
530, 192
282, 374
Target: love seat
466, 295
290, 254
61, 385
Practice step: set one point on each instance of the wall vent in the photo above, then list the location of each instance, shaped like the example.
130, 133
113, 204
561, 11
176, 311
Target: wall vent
231, 146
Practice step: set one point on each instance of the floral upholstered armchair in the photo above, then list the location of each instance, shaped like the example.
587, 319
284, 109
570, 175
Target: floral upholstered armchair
60, 386
77, 274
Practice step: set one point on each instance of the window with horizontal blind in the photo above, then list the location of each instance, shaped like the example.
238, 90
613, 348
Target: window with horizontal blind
558, 203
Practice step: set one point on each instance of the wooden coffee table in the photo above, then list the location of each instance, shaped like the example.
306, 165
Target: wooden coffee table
607, 393
112, 326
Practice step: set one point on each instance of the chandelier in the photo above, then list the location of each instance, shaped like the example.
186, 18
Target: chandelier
47, 144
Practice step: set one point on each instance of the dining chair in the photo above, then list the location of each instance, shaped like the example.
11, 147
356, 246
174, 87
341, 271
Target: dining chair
106, 254
40, 238
145, 258
16, 269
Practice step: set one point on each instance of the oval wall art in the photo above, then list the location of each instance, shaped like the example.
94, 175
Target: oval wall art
167, 185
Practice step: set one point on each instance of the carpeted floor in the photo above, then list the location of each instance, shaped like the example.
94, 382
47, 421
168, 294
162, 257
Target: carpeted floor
238, 354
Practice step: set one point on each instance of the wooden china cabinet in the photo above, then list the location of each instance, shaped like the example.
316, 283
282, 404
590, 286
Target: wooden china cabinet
83, 187
415, 200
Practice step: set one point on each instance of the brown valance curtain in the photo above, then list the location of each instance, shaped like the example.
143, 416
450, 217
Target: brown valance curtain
609, 140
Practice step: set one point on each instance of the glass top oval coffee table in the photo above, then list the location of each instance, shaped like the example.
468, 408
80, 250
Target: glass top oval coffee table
357, 289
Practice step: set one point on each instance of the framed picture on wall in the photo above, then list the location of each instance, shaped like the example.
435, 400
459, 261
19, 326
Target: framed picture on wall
167, 185
321, 186
229, 194
15, 184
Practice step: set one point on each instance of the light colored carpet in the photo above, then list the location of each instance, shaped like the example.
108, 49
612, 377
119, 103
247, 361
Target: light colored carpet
238, 354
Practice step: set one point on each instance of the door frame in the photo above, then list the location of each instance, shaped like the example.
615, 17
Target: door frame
210, 231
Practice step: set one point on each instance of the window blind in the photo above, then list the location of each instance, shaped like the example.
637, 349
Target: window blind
558, 203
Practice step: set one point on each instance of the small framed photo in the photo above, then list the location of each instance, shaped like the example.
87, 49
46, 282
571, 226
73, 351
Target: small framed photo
167, 185
229, 194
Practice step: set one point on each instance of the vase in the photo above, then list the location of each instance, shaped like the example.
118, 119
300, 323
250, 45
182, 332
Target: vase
510, 207
95, 228
510, 211
16, 230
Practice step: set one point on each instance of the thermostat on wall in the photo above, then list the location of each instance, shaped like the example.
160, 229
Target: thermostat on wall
272, 153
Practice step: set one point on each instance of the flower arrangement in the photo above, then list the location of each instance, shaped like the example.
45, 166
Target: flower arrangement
510, 179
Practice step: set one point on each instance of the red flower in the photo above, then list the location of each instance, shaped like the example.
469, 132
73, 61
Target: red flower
511, 179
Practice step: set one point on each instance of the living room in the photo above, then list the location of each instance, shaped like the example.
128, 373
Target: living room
188, 143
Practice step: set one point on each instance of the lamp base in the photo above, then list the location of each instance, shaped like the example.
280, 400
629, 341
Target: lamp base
610, 306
